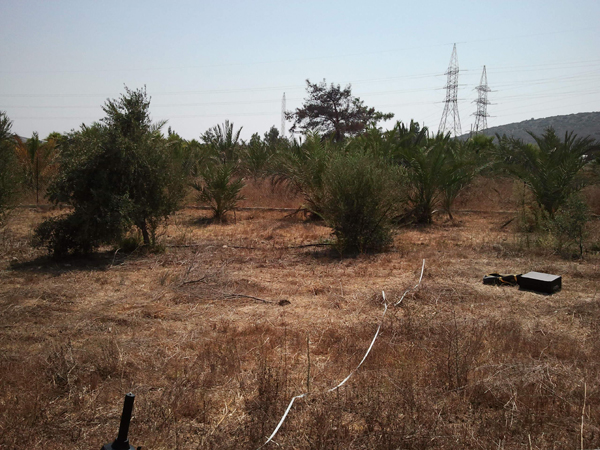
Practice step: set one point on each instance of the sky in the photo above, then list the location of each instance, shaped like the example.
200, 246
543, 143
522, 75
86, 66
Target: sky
204, 62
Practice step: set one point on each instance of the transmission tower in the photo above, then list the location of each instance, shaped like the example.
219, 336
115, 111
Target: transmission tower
482, 101
451, 103
283, 116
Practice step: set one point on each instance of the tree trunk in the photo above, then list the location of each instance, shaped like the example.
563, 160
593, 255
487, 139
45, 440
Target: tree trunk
144, 228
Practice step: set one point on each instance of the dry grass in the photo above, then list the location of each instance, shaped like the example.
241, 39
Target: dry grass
457, 365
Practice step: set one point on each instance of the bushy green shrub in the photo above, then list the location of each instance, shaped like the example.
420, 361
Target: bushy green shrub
351, 185
569, 225
115, 175
360, 196
71, 233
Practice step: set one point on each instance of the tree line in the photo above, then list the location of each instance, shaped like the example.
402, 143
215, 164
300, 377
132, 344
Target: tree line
124, 172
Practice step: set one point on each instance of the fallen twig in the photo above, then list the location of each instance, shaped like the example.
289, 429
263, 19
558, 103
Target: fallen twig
308, 245
203, 280
183, 245
247, 296
506, 223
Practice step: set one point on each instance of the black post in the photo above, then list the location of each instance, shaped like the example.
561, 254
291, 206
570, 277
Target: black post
122, 442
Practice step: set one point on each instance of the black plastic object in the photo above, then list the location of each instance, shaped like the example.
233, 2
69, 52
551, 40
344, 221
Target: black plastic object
496, 279
541, 282
122, 442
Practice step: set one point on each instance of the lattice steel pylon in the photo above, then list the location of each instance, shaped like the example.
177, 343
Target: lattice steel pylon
451, 102
481, 114
283, 116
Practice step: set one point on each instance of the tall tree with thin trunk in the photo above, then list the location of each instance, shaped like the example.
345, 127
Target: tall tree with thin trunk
333, 112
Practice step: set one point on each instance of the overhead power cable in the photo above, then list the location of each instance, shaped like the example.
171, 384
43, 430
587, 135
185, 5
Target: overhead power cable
290, 60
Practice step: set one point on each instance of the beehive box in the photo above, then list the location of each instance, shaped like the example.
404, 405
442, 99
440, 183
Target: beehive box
541, 282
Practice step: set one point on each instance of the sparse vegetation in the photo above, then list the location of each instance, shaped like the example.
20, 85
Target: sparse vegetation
221, 328
457, 364
581, 124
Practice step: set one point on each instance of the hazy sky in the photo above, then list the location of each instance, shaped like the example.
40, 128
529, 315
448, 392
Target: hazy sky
203, 62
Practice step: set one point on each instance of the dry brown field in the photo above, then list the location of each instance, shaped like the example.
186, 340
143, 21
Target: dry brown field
215, 335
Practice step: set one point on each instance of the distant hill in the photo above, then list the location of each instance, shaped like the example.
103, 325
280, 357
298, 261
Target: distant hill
582, 124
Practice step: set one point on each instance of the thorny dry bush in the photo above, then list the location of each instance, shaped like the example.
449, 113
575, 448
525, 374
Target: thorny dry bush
198, 335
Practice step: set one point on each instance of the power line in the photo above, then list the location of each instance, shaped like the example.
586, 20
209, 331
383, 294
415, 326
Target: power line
316, 58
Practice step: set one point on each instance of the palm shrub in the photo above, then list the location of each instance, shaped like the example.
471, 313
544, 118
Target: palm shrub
37, 160
259, 155
552, 168
224, 141
256, 155
217, 173
360, 195
426, 160
466, 159
219, 186
9, 180
302, 167
437, 168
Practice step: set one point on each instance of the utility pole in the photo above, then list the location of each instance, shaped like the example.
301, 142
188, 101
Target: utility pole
283, 116
482, 101
451, 103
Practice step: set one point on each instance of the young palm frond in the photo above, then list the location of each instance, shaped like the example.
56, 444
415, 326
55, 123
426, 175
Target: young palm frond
224, 141
256, 156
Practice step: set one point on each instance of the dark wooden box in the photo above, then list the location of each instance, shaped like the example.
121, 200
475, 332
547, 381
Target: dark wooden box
541, 282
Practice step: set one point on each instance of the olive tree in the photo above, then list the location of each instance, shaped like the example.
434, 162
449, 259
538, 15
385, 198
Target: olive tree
115, 174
